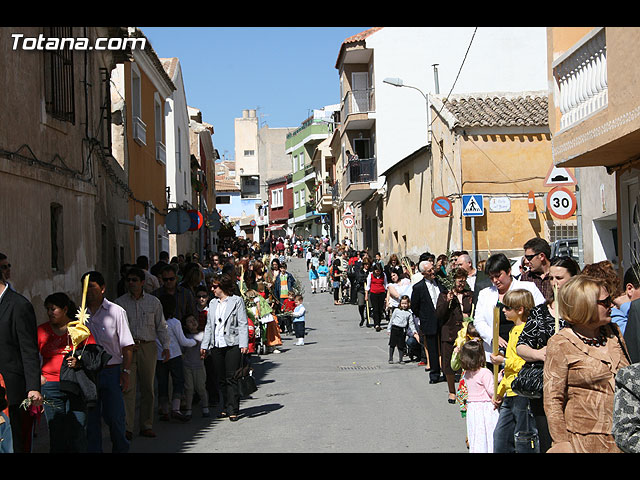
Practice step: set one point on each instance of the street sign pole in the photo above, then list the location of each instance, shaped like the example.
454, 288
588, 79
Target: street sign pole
474, 255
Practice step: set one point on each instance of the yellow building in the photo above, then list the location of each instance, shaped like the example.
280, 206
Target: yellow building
494, 144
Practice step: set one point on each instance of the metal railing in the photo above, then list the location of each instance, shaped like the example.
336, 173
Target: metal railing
358, 101
362, 170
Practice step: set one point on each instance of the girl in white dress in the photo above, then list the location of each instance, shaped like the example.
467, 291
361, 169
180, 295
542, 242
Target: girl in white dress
481, 414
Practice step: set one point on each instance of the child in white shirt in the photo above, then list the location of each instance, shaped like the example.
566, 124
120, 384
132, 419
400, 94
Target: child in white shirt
298, 320
401, 321
195, 376
173, 366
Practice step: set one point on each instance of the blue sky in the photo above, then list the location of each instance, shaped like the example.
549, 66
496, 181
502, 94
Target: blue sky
283, 72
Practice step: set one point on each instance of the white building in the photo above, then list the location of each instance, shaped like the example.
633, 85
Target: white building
178, 155
383, 124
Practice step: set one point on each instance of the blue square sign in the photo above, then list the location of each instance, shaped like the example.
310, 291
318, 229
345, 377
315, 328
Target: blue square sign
472, 205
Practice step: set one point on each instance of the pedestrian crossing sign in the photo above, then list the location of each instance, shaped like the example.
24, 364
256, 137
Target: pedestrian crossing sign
472, 205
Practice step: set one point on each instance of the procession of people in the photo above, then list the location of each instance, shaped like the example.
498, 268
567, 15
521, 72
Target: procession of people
542, 360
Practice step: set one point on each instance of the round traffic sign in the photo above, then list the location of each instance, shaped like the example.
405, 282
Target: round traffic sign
561, 202
348, 221
196, 220
441, 207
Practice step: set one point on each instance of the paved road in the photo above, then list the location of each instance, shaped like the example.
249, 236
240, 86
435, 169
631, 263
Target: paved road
335, 394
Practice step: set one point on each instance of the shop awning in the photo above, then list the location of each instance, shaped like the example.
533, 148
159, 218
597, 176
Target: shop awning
277, 226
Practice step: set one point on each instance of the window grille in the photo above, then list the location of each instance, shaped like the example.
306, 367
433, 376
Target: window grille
59, 78
562, 231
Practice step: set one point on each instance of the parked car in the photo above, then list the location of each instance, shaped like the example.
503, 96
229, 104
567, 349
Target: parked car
565, 247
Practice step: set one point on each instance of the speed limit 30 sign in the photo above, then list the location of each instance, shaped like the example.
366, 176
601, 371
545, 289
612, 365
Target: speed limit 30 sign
561, 202
348, 221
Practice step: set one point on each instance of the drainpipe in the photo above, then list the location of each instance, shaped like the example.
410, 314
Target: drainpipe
579, 220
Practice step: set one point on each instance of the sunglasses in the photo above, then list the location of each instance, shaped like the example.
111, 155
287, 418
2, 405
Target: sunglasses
214, 286
507, 307
168, 279
606, 303
203, 296
5, 267
529, 257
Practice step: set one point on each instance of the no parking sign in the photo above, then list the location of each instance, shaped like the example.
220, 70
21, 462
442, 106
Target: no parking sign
441, 207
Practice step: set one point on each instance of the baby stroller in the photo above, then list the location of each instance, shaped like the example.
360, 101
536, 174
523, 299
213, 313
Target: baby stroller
345, 287
259, 339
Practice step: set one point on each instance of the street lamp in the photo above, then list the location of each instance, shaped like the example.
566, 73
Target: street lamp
398, 82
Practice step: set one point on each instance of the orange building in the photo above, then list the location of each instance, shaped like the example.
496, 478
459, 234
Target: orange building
146, 87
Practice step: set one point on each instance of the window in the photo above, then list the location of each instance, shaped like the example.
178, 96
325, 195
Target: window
139, 127
301, 160
223, 199
295, 163
296, 203
57, 238
59, 81
249, 153
277, 198
161, 154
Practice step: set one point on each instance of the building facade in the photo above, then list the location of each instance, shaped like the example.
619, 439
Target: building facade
146, 87
381, 124
593, 113
63, 193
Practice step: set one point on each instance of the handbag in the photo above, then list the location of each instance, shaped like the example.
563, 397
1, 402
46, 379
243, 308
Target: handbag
244, 376
529, 382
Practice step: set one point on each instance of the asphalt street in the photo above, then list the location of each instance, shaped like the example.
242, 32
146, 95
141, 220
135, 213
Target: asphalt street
335, 394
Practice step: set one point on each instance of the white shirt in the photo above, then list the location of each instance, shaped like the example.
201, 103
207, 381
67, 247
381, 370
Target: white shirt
219, 324
177, 339
487, 300
433, 289
471, 280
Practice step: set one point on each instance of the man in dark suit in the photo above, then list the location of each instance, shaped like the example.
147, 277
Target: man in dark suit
632, 331
423, 304
19, 360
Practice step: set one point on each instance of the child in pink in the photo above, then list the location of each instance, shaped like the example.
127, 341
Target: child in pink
481, 414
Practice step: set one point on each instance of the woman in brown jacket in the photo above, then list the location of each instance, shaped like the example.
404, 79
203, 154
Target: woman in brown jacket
451, 308
580, 367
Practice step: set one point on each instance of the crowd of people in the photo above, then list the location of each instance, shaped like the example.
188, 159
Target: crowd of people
570, 335
175, 335
543, 360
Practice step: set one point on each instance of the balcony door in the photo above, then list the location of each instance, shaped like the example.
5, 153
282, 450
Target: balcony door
361, 146
359, 88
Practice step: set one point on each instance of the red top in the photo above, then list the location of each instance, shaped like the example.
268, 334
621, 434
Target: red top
53, 348
289, 305
377, 284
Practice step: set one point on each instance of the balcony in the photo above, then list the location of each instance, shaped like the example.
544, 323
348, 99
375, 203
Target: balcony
161, 153
581, 80
359, 175
324, 198
356, 107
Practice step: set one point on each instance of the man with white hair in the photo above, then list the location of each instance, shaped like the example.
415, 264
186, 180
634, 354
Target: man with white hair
476, 279
423, 304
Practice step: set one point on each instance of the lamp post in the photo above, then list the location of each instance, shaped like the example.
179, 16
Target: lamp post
398, 82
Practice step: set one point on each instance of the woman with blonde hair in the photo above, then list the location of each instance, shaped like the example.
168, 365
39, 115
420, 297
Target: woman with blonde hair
580, 366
